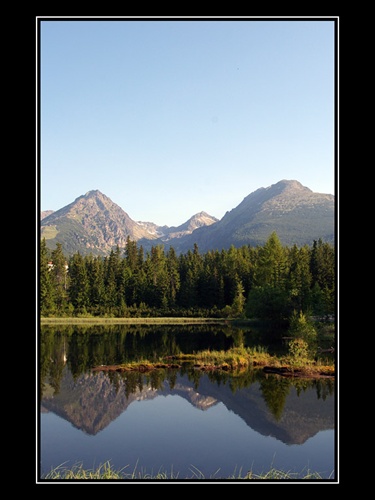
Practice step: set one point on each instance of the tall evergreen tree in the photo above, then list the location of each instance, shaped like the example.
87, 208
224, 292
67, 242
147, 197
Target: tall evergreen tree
95, 271
322, 265
111, 276
238, 306
299, 278
131, 255
78, 283
271, 265
60, 278
46, 291
157, 277
211, 283
173, 277
191, 265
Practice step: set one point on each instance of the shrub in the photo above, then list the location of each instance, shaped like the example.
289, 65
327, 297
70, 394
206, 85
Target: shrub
300, 329
299, 352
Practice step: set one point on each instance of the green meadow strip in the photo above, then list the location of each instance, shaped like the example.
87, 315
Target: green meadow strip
132, 321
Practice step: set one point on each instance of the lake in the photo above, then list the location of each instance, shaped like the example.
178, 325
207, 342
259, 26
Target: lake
188, 424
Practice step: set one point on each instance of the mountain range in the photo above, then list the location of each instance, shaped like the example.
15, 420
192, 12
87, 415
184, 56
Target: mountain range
88, 410
95, 224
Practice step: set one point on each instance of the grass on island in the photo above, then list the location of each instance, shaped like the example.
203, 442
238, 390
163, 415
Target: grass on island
234, 359
107, 472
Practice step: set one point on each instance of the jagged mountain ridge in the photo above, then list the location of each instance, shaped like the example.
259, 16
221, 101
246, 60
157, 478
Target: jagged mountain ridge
96, 402
165, 233
94, 224
297, 214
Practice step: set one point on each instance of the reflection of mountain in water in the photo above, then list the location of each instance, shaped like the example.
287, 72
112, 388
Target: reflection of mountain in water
303, 415
194, 397
93, 401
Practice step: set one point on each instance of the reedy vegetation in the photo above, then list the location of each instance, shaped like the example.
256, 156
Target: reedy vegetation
106, 472
300, 359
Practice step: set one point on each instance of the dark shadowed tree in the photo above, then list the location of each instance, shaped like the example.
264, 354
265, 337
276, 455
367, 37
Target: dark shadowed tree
46, 290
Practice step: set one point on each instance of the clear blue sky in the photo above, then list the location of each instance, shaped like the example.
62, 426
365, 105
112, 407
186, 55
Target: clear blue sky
170, 118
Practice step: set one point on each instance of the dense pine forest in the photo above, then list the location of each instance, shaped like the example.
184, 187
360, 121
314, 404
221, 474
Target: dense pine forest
265, 282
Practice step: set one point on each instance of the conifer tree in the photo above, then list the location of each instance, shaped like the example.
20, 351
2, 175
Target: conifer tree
60, 278
173, 277
131, 255
46, 292
271, 266
239, 301
322, 266
299, 278
95, 271
78, 284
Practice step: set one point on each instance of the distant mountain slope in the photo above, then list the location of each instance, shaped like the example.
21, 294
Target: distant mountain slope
46, 213
297, 214
165, 233
94, 224
201, 219
91, 224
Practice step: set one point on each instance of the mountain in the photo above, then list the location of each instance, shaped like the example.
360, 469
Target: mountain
94, 224
91, 224
45, 213
297, 214
97, 401
166, 234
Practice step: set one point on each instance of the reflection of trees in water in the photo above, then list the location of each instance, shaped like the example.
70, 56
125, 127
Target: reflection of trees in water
52, 359
325, 388
84, 347
275, 391
89, 346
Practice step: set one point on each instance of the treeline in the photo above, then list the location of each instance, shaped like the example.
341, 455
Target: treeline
265, 282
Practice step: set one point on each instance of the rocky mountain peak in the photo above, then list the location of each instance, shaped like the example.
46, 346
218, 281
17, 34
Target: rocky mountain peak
291, 185
94, 224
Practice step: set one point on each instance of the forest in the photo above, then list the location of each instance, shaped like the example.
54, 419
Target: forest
266, 282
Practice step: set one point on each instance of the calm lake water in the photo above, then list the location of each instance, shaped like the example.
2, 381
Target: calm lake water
183, 422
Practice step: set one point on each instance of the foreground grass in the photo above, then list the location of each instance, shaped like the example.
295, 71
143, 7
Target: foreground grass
107, 472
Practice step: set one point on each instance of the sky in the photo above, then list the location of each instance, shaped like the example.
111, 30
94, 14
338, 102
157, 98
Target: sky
171, 117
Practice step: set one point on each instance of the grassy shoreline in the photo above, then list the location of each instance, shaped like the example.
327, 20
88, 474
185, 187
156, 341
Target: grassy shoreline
129, 321
233, 359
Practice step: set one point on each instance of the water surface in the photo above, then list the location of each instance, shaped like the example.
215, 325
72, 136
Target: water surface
181, 422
